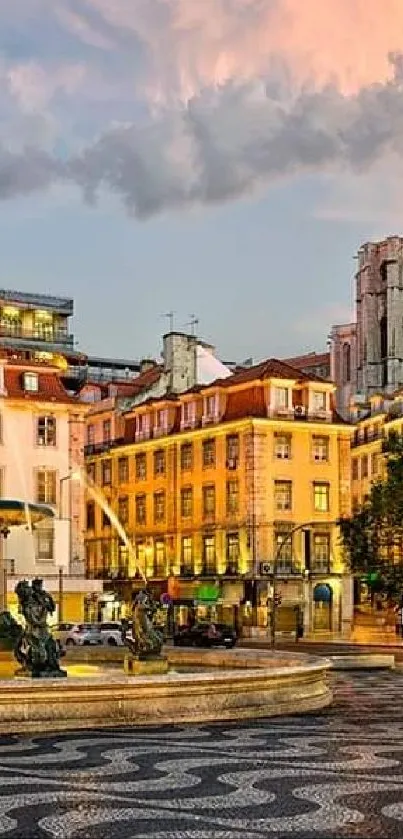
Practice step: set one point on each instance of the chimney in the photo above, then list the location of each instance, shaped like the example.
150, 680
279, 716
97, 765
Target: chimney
147, 364
180, 361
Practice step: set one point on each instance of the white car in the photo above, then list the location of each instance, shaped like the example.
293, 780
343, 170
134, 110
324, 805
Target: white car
78, 634
111, 634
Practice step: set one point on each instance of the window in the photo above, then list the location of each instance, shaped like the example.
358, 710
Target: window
106, 472
91, 473
159, 462
232, 448
90, 435
374, 463
31, 382
232, 497
106, 556
106, 522
232, 553
45, 539
282, 446
46, 431
320, 448
209, 501
346, 363
123, 470
186, 456
354, 469
160, 558
46, 486
208, 453
321, 497
187, 502
188, 412
187, 555
161, 419
141, 466
159, 507
141, 510
318, 401
364, 466
106, 431
283, 546
321, 552
283, 495
123, 509
282, 397
90, 515
209, 564
211, 406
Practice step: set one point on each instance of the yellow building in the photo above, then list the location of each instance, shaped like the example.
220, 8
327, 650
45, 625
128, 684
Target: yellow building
218, 489
385, 415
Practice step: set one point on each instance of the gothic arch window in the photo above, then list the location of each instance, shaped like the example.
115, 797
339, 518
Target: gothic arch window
346, 362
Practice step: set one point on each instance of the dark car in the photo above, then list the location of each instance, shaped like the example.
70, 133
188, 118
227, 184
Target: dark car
206, 635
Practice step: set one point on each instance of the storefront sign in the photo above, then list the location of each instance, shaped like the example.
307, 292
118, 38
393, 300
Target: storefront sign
207, 593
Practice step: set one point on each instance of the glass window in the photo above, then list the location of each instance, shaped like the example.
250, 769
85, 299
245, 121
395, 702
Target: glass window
282, 446
283, 545
208, 501
91, 472
321, 551
209, 563
187, 502
90, 515
141, 510
232, 553
90, 435
354, 469
31, 382
106, 472
106, 431
187, 555
321, 497
159, 507
232, 497
123, 470
186, 456
320, 448
364, 466
160, 558
46, 431
374, 463
283, 495
159, 462
46, 486
282, 397
141, 466
318, 400
123, 509
208, 453
211, 405
45, 538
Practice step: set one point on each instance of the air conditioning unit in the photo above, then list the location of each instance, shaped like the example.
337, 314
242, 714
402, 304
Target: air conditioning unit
266, 568
300, 412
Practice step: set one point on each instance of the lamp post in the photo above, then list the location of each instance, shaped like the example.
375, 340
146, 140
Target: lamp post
4, 532
67, 518
304, 526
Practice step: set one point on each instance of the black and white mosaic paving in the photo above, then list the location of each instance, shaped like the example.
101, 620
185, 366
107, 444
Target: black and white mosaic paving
335, 774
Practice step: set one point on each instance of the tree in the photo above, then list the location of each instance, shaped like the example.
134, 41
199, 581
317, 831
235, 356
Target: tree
372, 537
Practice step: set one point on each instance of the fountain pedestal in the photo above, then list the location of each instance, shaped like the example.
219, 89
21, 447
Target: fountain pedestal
137, 666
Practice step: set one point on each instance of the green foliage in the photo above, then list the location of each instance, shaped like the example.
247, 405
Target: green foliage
372, 536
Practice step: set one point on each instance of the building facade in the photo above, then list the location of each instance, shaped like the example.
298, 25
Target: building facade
41, 454
218, 489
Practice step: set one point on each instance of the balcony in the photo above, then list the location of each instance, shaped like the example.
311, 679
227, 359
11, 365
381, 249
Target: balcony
186, 571
48, 336
100, 448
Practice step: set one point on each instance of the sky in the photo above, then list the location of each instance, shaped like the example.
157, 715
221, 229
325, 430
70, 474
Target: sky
222, 159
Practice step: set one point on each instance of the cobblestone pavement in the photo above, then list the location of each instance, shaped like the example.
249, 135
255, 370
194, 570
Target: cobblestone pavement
336, 774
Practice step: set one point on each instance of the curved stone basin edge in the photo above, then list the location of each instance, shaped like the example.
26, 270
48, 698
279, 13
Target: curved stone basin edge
242, 685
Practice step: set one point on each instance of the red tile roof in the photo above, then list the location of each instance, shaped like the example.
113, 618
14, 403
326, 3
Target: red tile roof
245, 403
272, 368
50, 388
311, 359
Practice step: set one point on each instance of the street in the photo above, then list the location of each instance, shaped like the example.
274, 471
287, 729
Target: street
335, 774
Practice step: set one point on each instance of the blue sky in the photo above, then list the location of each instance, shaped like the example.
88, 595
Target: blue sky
264, 254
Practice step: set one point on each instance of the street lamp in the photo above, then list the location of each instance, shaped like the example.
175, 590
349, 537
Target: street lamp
4, 533
304, 526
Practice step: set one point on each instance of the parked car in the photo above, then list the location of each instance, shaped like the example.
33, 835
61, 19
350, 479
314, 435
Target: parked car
206, 635
112, 633
77, 634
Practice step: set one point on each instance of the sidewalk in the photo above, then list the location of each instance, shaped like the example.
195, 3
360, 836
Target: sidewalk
357, 639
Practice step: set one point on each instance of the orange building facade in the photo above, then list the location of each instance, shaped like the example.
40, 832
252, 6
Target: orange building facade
218, 489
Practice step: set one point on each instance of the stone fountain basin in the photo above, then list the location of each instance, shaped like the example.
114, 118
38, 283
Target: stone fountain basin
240, 684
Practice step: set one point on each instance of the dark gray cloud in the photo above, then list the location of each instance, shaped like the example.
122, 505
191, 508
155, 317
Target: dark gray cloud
222, 145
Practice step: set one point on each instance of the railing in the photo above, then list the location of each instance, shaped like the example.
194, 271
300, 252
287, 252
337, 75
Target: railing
101, 448
368, 437
51, 336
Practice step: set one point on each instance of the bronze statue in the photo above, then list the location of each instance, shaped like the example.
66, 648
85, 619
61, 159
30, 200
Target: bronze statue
144, 641
36, 650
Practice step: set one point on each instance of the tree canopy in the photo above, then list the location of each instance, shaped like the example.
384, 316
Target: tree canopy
372, 537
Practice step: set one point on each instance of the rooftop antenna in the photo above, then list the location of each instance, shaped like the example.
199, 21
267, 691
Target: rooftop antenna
170, 316
194, 321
